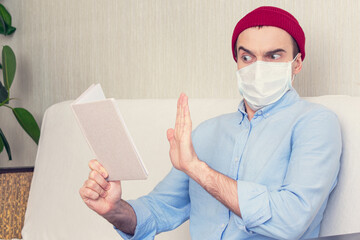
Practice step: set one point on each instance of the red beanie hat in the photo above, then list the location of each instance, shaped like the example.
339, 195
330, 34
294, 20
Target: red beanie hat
271, 16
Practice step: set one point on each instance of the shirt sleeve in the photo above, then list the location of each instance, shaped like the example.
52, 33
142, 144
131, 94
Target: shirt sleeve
164, 209
287, 212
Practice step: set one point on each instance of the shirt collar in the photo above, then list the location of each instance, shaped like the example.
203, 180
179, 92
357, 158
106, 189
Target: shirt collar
287, 99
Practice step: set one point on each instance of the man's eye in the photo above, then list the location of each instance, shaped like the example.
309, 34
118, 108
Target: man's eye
275, 56
246, 58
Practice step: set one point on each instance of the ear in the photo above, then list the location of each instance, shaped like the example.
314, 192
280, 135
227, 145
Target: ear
297, 65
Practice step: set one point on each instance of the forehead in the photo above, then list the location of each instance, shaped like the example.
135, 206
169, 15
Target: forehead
264, 39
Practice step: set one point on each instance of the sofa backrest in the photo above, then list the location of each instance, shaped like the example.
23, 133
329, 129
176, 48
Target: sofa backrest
56, 211
343, 210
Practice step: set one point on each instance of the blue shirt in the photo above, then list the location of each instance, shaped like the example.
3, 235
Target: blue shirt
285, 161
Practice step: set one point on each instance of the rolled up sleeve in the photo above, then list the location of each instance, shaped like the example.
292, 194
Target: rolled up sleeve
164, 209
254, 202
145, 227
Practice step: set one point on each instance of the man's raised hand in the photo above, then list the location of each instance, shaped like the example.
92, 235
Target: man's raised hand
182, 153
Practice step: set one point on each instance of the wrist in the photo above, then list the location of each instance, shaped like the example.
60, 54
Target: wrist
123, 217
196, 170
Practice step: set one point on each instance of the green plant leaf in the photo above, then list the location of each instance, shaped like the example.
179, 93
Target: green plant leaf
6, 144
3, 93
10, 30
5, 22
1, 145
2, 26
5, 15
9, 66
28, 123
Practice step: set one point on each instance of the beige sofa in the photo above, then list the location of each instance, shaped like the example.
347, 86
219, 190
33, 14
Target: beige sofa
55, 210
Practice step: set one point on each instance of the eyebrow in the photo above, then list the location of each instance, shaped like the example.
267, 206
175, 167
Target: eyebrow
246, 50
267, 53
275, 51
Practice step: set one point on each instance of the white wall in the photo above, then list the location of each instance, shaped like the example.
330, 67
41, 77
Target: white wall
158, 48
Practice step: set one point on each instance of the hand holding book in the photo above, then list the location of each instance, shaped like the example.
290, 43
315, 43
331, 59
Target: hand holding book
107, 135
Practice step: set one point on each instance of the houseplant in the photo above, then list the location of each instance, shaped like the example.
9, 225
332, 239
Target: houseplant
8, 68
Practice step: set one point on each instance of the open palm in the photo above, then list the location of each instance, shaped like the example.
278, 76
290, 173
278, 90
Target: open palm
182, 152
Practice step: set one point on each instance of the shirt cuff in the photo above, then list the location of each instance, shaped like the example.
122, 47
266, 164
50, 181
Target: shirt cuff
145, 223
254, 204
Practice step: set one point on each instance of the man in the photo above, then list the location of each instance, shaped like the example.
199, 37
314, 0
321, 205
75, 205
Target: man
263, 172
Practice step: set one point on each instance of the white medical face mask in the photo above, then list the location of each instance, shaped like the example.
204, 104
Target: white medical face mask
263, 83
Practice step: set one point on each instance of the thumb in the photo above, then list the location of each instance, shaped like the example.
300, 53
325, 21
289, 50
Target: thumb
170, 136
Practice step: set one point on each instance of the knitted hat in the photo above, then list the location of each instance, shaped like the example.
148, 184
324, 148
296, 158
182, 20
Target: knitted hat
271, 16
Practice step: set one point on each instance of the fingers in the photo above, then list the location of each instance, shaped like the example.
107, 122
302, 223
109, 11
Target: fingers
95, 165
178, 117
180, 121
92, 190
183, 123
88, 194
187, 118
96, 186
99, 180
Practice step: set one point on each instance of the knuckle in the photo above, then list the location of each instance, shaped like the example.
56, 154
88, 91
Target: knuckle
104, 172
91, 194
93, 174
95, 195
91, 184
94, 164
104, 194
102, 184
91, 163
87, 192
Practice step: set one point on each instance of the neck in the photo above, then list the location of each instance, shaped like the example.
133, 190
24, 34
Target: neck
249, 111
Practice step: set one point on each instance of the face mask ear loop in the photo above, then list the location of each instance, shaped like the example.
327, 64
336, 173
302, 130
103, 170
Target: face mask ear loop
295, 58
293, 76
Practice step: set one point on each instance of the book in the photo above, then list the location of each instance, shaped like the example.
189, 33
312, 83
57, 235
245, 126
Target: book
108, 137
